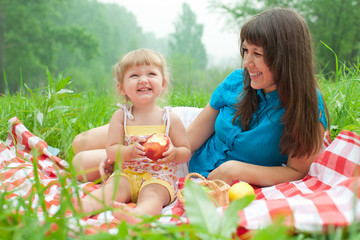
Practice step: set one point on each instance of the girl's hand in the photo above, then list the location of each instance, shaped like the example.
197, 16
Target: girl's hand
137, 150
106, 168
169, 155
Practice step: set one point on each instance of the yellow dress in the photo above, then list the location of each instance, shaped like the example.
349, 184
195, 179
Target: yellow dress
143, 171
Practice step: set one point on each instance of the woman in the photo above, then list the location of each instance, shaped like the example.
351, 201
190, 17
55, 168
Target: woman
264, 124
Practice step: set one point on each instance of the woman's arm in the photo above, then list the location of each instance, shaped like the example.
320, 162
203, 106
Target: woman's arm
90, 140
262, 176
202, 127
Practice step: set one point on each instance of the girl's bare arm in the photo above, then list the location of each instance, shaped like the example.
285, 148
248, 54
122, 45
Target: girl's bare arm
115, 147
179, 150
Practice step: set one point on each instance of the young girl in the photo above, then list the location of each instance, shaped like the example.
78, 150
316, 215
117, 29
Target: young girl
141, 78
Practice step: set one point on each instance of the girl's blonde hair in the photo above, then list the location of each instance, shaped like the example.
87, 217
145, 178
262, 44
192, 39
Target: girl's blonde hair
141, 57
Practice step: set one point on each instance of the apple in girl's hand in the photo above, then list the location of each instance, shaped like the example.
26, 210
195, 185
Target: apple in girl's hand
155, 145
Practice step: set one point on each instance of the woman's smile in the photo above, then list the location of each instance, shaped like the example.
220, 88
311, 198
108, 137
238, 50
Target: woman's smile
255, 76
260, 74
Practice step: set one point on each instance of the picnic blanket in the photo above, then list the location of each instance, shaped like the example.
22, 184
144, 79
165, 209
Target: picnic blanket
328, 195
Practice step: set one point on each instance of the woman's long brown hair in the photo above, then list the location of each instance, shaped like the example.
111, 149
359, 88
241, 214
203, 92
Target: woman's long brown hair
288, 53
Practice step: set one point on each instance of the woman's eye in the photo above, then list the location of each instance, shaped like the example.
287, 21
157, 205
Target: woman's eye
245, 50
258, 54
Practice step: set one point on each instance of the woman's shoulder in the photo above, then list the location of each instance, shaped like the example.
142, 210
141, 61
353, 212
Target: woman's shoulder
238, 71
322, 110
233, 82
320, 99
318, 93
230, 87
237, 74
234, 78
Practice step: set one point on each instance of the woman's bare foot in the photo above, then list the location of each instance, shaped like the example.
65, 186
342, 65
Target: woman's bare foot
123, 212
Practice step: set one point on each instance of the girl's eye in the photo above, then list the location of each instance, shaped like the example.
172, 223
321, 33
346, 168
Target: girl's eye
152, 74
258, 54
245, 50
133, 75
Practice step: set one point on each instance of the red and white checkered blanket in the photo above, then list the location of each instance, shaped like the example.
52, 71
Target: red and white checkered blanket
328, 195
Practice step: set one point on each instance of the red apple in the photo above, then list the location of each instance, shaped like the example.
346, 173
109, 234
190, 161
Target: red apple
155, 145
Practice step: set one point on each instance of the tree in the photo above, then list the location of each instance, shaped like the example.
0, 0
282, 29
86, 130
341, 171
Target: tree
336, 24
2, 48
117, 32
31, 36
186, 42
82, 38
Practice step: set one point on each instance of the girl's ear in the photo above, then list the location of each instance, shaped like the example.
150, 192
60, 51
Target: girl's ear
164, 83
120, 89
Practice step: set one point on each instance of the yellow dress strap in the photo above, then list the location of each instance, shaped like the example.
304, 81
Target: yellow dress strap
145, 130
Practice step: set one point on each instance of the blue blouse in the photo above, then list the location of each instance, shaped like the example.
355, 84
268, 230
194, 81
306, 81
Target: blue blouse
259, 145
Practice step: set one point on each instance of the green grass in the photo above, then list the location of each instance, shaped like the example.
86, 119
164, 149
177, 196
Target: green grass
56, 114
343, 99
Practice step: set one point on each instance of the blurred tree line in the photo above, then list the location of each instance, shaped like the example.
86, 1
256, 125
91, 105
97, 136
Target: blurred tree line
333, 24
84, 39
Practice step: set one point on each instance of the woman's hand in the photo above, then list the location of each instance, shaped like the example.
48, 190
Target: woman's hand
226, 172
262, 176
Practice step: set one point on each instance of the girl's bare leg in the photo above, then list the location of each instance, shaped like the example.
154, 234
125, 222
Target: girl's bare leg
89, 149
152, 198
104, 196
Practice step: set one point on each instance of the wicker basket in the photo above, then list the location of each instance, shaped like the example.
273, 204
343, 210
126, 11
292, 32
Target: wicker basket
219, 190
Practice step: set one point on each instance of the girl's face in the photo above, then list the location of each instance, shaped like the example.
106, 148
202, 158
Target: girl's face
260, 74
142, 84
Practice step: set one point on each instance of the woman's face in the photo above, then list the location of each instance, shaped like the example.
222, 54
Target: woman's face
260, 74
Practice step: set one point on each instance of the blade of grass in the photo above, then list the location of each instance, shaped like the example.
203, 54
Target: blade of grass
6, 83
